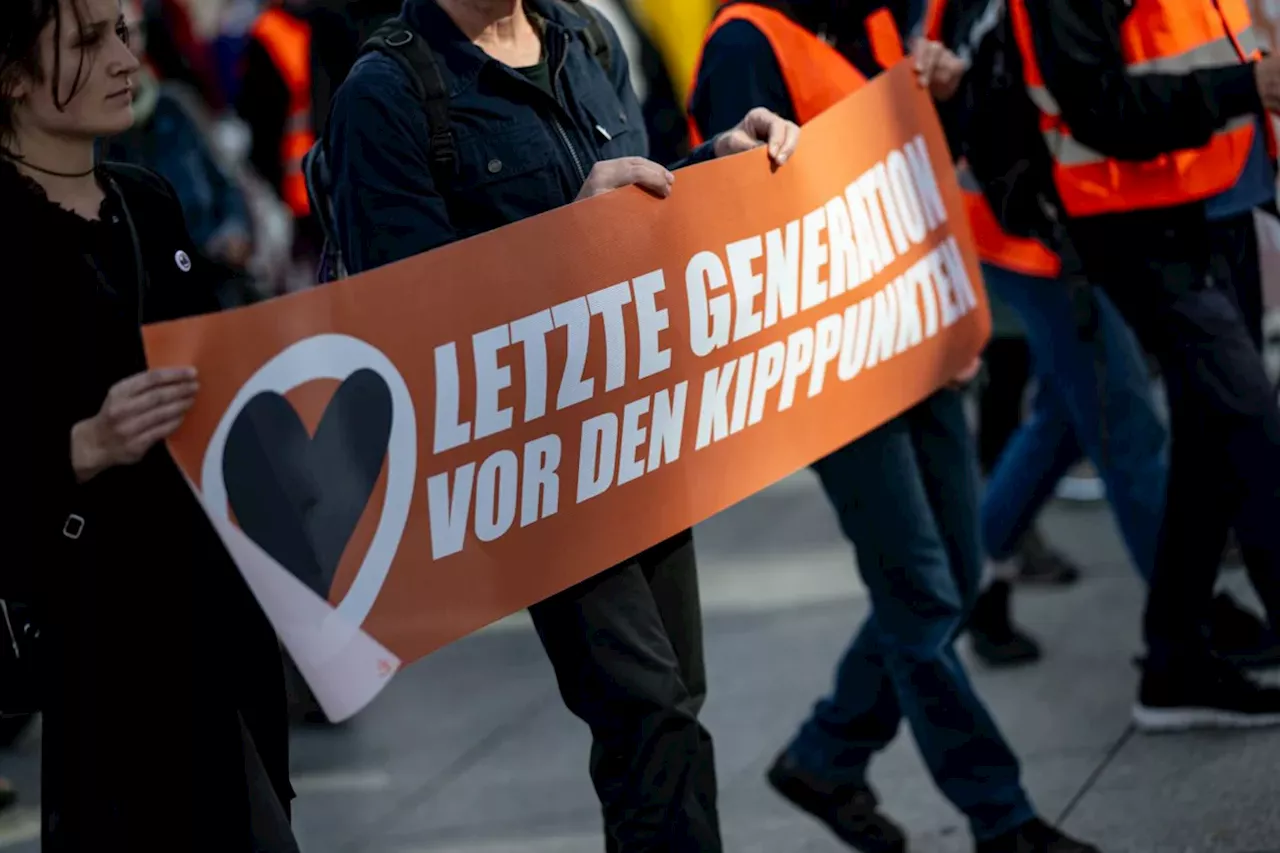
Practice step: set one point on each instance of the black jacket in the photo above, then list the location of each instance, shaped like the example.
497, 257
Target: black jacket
155, 648
520, 150
1125, 116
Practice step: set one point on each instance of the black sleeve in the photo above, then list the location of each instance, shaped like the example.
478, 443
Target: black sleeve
264, 106
738, 73
154, 203
1122, 115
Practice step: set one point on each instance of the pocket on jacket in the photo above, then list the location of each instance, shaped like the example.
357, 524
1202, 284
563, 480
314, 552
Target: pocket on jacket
613, 133
503, 177
501, 157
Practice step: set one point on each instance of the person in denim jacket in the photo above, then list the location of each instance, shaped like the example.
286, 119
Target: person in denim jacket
538, 123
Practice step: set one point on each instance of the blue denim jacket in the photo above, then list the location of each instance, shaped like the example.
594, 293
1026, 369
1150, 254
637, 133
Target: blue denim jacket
519, 151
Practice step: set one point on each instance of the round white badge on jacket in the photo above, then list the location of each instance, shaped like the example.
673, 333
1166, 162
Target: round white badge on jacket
184, 262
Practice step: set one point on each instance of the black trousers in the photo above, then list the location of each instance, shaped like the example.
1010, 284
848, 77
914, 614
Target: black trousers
1175, 278
1237, 242
1000, 402
627, 650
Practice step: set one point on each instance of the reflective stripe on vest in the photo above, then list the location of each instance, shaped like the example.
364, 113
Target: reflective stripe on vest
817, 76
287, 41
995, 245
1157, 37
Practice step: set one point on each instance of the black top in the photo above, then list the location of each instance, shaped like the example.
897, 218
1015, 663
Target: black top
108, 251
539, 74
155, 648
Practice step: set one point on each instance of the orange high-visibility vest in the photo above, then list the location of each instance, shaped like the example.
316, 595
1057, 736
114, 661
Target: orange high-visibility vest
995, 245
817, 75
287, 41
1156, 37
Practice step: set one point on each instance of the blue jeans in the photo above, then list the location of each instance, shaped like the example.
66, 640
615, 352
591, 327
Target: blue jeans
1067, 420
907, 496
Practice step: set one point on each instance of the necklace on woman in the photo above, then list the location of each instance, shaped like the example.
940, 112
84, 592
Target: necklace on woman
21, 161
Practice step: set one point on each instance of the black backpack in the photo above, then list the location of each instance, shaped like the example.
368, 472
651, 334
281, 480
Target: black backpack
999, 126
397, 40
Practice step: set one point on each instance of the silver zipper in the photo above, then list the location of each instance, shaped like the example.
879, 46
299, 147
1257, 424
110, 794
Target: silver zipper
573, 153
555, 120
13, 637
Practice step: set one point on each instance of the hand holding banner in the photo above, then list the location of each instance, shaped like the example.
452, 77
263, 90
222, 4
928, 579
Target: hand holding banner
402, 458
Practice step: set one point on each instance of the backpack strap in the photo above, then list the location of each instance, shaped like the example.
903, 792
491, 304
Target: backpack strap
594, 35
396, 39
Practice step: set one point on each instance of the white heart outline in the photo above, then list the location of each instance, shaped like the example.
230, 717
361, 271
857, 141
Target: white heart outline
334, 356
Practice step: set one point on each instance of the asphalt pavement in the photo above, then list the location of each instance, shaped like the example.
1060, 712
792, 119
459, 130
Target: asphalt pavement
471, 751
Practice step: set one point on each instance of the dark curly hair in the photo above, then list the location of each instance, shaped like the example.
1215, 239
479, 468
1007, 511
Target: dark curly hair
21, 23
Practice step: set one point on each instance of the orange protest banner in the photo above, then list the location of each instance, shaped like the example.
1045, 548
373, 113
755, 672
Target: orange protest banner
437, 444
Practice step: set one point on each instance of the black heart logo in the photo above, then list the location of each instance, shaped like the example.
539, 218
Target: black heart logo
299, 496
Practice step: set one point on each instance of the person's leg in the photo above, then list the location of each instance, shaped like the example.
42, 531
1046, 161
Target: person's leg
1123, 435
1224, 456
1001, 397
919, 601
1030, 558
1254, 452
1095, 396
1040, 453
620, 671
1237, 244
672, 571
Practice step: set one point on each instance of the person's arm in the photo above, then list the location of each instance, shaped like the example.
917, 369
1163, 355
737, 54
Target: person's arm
386, 207
1122, 115
739, 72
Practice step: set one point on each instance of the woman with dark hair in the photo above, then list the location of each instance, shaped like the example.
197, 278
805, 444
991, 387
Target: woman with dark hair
162, 693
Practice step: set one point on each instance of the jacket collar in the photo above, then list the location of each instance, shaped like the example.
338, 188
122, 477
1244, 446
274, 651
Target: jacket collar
463, 59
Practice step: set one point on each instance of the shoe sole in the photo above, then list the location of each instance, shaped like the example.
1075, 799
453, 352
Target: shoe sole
1187, 719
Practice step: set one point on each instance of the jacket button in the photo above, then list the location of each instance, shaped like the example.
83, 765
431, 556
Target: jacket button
495, 166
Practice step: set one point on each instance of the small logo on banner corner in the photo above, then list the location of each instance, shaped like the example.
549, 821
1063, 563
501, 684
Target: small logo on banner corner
300, 495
